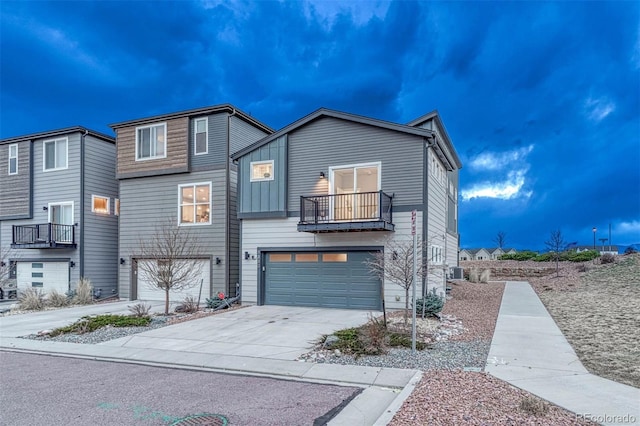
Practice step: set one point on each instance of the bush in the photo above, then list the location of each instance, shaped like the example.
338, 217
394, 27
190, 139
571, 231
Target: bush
520, 256
546, 257
432, 303
215, 302
533, 406
57, 300
607, 258
31, 299
583, 256
84, 292
188, 305
404, 341
88, 324
139, 310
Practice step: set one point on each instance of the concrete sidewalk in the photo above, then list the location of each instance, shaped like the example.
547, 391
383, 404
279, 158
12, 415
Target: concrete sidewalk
529, 351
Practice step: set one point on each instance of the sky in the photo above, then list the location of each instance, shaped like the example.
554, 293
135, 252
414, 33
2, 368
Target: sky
541, 99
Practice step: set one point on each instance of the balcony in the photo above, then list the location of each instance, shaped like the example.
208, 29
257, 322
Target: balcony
44, 236
363, 211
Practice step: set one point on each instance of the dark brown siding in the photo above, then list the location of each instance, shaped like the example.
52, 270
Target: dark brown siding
15, 192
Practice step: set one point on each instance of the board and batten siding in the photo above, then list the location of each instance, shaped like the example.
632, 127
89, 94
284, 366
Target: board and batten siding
329, 142
147, 203
15, 190
273, 233
234, 233
216, 142
100, 243
243, 134
267, 196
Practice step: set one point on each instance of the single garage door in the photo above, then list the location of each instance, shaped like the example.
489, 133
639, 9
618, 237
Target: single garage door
44, 275
147, 291
323, 279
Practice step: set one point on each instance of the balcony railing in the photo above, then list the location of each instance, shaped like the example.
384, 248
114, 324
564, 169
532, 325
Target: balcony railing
362, 211
44, 235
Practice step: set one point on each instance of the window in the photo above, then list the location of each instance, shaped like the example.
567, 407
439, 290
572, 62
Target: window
55, 154
37, 265
194, 204
116, 206
37, 274
13, 159
307, 257
279, 257
334, 257
151, 142
261, 170
436, 255
200, 136
37, 284
99, 204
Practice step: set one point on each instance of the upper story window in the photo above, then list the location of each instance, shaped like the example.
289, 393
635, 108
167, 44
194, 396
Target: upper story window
194, 204
13, 159
261, 170
151, 142
200, 136
436, 255
99, 204
55, 154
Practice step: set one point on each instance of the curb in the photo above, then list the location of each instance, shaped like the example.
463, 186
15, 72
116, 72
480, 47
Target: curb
395, 406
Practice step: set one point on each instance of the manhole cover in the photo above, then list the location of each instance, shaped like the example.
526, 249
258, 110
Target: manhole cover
202, 420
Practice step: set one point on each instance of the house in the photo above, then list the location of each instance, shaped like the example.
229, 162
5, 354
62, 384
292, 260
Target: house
465, 255
176, 167
602, 249
319, 197
58, 209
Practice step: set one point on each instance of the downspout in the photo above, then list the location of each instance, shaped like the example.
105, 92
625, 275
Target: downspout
82, 166
227, 230
425, 215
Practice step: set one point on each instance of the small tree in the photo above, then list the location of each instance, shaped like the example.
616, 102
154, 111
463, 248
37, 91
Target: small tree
5, 267
556, 244
500, 239
171, 259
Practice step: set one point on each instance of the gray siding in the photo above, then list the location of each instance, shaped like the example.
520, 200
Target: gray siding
100, 230
267, 196
234, 233
332, 142
15, 193
243, 134
217, 140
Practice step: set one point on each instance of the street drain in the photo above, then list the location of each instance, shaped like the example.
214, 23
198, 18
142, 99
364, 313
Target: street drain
202, 420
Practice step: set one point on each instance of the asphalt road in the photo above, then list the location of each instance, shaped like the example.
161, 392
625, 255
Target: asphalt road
49, 390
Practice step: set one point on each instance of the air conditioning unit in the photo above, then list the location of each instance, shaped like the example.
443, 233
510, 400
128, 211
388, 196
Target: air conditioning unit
456, 273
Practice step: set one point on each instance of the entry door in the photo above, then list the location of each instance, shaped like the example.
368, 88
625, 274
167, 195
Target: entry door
61, 214
356, 190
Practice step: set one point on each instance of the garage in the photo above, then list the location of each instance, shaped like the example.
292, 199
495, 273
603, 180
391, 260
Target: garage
331, 279
147, 291
46, 276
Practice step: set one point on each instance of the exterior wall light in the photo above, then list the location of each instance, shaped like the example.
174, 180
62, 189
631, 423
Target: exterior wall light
122, 261
322, 176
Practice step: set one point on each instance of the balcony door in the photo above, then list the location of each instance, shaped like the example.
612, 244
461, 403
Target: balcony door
61, 214
355, 189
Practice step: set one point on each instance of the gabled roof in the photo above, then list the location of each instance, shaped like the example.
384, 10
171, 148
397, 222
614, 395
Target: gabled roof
435, 115
58, 132
195, 112
324, 112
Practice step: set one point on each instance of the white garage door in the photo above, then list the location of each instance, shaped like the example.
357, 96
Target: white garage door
44, 275
147, 291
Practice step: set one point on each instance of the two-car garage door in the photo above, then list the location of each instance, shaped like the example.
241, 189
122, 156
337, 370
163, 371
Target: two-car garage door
324, 279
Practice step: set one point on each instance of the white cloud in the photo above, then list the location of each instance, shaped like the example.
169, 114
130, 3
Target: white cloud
632, 227
509, 189
360, 12
500, 160
598, 109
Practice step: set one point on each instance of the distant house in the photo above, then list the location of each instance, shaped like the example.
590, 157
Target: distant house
602, 249
484, 254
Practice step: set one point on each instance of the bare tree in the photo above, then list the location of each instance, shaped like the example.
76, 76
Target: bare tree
5, 273
500, 239
171, 259
556, 245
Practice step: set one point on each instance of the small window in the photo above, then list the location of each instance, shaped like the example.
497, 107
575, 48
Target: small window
99, 204
37, 284
334, 257
116, 206
195, 204
261, 170
54, 154
307, 257
37, 274
280, 257
151, 142
37, 265
13, 159
200, 138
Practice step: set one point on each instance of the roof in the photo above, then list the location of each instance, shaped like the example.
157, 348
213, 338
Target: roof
193, 112
325, 112
58, 132
435, 115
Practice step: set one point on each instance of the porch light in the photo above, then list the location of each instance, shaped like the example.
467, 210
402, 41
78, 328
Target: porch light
122, 261
246, 255
322, 175
218, 261
72, 264
45, 208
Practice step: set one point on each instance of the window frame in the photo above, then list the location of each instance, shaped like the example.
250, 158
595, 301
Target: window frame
93, 205
55, 155
116, 206
260, 163
13, 157
151, 126
436, 254
194, 204
206, 135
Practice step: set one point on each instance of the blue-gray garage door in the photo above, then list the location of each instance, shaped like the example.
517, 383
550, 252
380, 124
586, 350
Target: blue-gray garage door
323, 279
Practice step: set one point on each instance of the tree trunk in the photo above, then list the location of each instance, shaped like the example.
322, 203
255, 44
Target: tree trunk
406, 306
166, 301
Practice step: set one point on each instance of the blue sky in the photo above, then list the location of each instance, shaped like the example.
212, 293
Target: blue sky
541, 99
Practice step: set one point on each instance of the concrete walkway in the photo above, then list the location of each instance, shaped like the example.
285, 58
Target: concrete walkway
529, 351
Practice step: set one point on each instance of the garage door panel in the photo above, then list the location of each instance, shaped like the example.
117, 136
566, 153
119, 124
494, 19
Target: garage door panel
148, 291
46, 276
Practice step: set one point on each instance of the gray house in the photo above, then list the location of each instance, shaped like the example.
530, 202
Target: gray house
319, 197
175, 170
58, 209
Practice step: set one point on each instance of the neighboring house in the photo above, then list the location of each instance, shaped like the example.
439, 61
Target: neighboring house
318, 197
58, 209
176, 167
496, 253
602, 249
476, 254
465, 255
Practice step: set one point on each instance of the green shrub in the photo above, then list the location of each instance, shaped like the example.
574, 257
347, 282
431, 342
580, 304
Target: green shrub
88, 324
545, 257
607, 258
432, 303
215, 302
84, 292
57, 300
583, 256
402, 340
520, 256
31, 299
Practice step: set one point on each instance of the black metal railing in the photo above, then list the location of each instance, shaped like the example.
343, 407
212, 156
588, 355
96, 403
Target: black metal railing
51, 234
355, 207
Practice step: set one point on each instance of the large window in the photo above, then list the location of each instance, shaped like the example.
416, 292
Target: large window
54, 154
261, 170
99, 204
13, 159
195, 204
200, 138
151, 142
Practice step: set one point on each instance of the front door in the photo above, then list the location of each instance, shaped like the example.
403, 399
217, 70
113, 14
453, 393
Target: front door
356, 191
61, 219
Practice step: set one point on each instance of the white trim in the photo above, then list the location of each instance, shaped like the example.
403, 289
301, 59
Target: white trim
149, 126
259, 163
332, 169
44, 154
206, 135
194, 185
13, 157
93, 205
62, 203
116, 206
